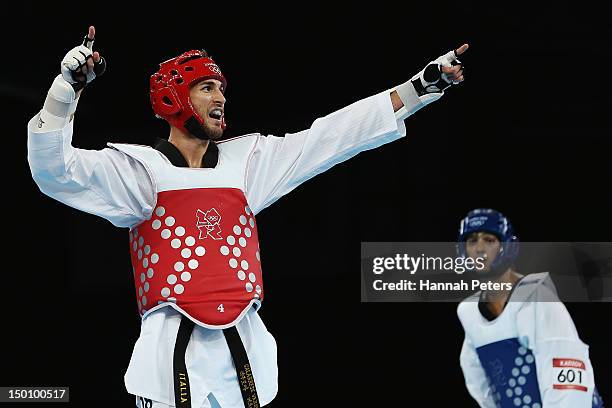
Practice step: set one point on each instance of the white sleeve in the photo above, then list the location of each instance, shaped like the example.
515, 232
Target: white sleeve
474, 375
565, 374
106, 183
277, 165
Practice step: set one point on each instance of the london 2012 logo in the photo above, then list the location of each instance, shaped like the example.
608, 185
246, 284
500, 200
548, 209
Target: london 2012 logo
208, 224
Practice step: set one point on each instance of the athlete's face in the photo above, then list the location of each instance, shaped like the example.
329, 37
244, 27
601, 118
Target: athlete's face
483, 245
208, 100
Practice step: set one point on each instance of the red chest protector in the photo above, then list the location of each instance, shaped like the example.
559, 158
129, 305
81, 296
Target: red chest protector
199, 251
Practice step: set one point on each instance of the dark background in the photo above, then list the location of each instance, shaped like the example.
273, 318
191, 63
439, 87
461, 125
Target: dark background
527, 134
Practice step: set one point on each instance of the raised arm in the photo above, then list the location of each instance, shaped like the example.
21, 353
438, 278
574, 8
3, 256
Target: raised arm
429, 84
105, 183
279, 164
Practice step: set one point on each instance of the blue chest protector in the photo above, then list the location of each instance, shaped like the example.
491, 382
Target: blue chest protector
504, 351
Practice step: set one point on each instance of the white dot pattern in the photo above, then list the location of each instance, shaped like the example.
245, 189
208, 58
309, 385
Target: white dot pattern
515, 389
142, 251
235, 248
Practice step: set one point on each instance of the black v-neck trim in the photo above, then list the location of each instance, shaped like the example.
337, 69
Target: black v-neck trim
210, 159
484, 309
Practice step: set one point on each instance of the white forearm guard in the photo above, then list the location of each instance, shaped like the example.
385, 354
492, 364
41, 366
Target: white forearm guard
60, 105
426, 86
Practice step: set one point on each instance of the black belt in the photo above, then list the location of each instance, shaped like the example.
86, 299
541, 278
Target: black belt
182, 392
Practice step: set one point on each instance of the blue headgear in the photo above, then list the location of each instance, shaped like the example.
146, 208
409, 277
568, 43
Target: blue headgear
494, 222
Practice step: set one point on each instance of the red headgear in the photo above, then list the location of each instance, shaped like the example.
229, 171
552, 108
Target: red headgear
170, 90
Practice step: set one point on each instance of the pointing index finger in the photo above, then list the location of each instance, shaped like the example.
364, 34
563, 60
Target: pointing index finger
89, 39
461, 49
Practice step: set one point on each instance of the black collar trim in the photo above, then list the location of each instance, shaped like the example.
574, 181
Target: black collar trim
210, 159
483, 305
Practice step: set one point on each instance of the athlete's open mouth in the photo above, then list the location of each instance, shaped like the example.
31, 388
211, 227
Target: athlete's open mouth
216, 114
